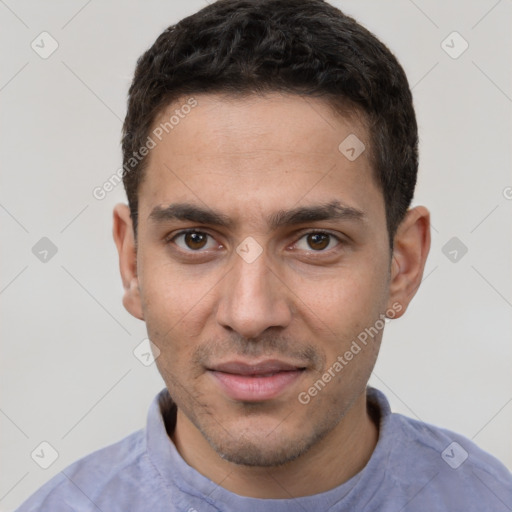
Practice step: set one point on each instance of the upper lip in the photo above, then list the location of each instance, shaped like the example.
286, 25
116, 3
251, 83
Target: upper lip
260, 368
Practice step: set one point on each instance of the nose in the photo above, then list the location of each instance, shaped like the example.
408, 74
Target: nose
253, 299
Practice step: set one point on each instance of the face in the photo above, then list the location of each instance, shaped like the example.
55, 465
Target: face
262, 256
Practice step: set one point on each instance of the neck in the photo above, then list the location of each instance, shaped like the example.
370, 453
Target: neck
332, 461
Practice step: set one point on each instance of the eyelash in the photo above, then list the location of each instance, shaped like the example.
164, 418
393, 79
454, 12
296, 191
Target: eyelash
339, 241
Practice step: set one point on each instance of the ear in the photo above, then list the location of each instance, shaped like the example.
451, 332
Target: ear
410, 251
125, 243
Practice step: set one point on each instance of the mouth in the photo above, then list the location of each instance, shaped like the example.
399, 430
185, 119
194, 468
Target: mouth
255, 382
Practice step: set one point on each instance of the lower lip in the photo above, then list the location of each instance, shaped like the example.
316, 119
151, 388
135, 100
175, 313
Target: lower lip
255, 389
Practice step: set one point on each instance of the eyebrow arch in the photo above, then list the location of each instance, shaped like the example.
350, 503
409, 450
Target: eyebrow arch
190, 212
333, 210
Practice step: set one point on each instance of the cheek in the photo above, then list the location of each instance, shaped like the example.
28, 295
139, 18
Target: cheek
169, 288
348, 293
340, 307
177, 302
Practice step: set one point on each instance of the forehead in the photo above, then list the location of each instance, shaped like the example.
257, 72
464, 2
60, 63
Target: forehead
257, 151
273, 121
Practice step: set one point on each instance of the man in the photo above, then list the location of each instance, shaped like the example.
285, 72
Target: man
270, 159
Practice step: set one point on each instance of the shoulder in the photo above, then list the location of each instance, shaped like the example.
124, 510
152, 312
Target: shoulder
454, 469
86, 483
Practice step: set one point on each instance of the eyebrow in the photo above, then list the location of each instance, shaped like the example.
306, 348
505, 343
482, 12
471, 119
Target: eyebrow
333, 210
190, 212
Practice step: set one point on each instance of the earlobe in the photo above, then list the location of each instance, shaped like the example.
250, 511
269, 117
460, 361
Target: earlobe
411, 247
125, 242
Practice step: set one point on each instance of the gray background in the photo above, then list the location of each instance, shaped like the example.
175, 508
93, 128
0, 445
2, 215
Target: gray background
68, 373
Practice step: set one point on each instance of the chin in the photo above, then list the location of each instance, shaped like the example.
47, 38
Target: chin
264, 444
257, 453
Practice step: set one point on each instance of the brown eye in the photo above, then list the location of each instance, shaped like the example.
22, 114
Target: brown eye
194, 241
318, 241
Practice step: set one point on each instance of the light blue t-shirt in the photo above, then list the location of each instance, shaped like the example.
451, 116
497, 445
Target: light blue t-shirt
414, 467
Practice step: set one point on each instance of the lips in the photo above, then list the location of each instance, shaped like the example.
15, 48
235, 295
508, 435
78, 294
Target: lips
256, 370
255, 382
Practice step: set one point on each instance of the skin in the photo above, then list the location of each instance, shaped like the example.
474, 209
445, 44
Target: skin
300, 301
